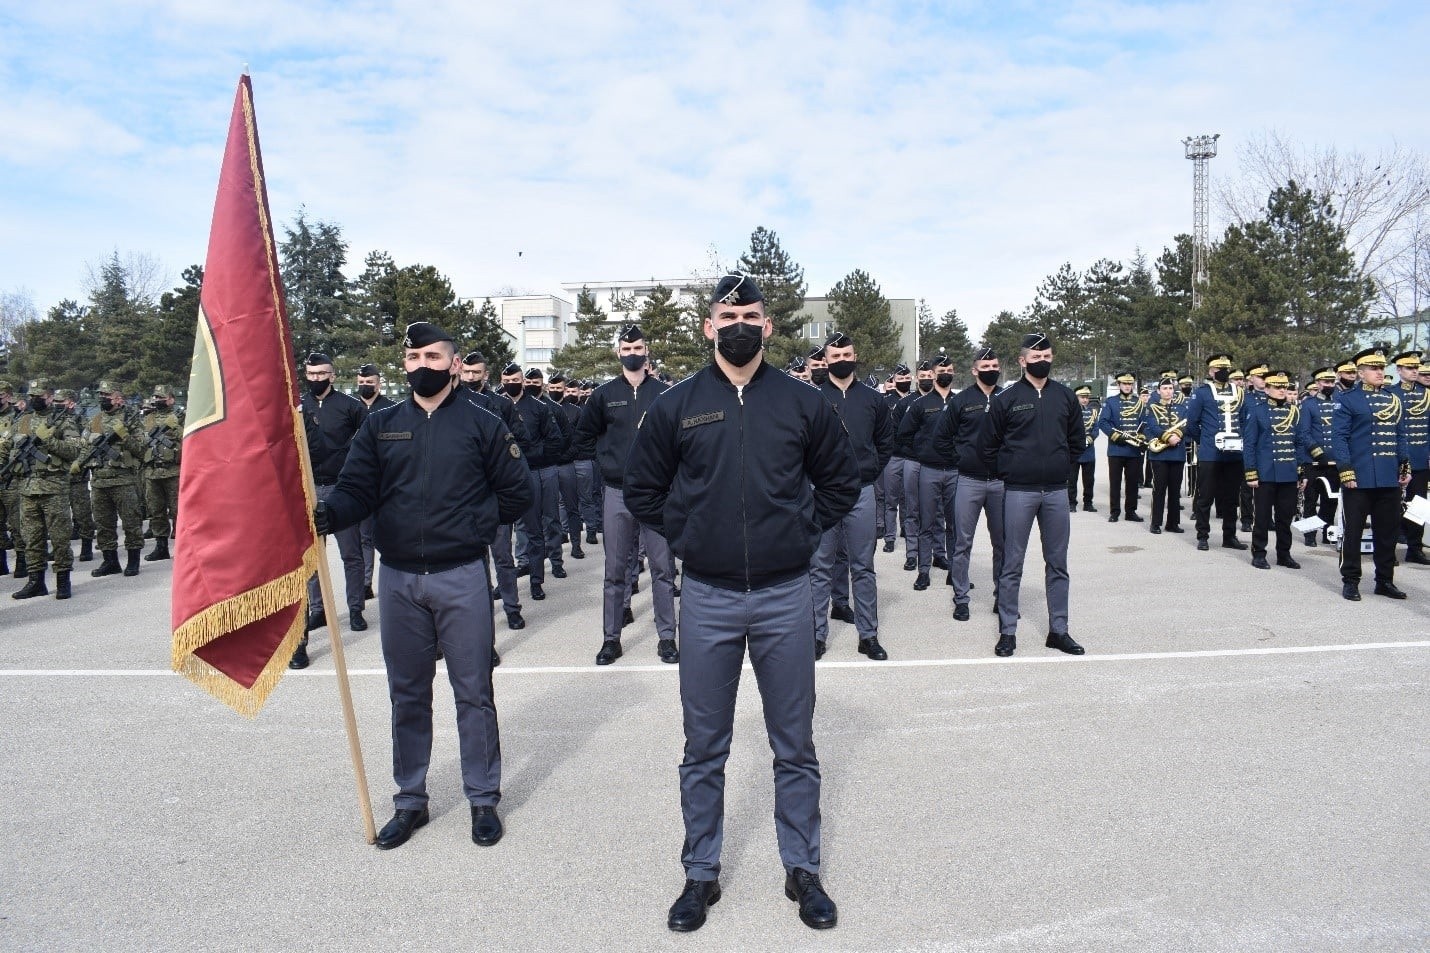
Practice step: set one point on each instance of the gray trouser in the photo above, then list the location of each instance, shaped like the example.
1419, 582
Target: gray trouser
893, 482
975, 497
589, 487
548, 506
531, 537
839, 571
369, 552
936, 489
858, 529
506, 569
778, 624
350, 548
1050, 509
420, 613
570, 503
911, 508
622, 538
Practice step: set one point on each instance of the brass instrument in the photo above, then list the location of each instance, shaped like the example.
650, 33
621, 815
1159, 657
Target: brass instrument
1178, 427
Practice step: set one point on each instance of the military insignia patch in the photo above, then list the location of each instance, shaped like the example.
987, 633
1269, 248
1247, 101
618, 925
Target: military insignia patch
514, 450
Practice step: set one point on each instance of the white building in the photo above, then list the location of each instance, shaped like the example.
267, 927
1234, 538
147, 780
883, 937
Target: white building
538, 325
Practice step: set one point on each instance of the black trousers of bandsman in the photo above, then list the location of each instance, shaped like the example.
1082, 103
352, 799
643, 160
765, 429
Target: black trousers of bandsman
1382, 507
1275, 504
1220, 483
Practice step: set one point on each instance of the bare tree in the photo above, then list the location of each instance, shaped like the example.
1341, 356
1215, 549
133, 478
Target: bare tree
17, 307
1378, 200
144, 275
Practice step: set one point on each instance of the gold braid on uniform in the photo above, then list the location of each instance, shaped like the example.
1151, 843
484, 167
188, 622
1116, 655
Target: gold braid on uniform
1289, 424
1422, 406
1391, 413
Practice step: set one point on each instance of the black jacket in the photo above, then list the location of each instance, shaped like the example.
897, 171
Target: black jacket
608, 423
742, 482
916, 429
539, 419
572, 410
502, 406
380, 402
959, 436
564, 453
903, 443
866, 418
330, 424
438, 484
1037, 436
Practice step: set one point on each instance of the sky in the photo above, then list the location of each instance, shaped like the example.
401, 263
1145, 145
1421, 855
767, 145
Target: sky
958, 152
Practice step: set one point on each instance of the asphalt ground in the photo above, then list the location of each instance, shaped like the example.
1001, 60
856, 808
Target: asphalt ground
1239, 763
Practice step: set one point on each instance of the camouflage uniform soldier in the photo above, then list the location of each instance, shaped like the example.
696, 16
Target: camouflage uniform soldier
81, 512
40, 447
164, 432
118, 444
10, 537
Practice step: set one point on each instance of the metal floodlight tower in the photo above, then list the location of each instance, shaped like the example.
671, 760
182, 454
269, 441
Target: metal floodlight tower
1199, 150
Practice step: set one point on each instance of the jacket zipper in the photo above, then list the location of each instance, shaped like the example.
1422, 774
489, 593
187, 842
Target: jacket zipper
426, 465
744, 521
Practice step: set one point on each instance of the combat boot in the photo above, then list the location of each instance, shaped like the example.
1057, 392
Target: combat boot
161, 551
109, 566
132, 567
62, 583
4, 562
35, 587
86, 550
20, 570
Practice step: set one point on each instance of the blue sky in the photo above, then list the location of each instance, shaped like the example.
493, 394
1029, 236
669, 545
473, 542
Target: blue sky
958, 152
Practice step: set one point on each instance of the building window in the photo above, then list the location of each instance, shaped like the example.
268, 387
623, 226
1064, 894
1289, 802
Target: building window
539, 322
539, 355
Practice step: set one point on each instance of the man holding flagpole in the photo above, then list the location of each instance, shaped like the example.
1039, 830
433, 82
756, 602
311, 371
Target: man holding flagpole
438, 474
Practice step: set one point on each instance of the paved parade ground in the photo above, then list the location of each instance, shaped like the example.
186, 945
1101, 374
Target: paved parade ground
1239, 763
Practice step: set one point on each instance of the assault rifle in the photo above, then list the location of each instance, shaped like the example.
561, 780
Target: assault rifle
27, 453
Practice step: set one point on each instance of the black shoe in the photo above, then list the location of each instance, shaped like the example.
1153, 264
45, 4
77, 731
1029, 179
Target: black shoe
1114, 518
1134, 518
1417, 557
960, 612
367, 592
1287, 562
667, 652
316, 620
911, 564
496, 593
873, 649
1203, 545
300, 656
815, 908
109, 566
438, 656
1388, 589
591, 537
1155, 530
514, 620
35, 587
537, 592
131, 568
888, 545
1259, 562
523, 569
819, 649
627, 617
577, 552
86, 550
356, 622
948, 579
939, 562
610, 651
1175, 529
688, 911
635, 587
1006, 645
486, 826
1245, 526
1089, 508
1350, 591
921, 582
161, 551
1309, 539
62, 584
496, 658
1063, 643
396, 831
558, 571
1231, 542
841, 612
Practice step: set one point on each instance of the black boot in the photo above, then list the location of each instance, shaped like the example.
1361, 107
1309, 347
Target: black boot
35, 587
132, 568
86, 550
62, 583
161, 551
20, 569
4, 562
109, 566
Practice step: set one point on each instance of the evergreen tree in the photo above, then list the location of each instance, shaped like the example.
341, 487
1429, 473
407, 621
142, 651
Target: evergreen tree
592, 351
313, 254
858, 307
781, 280
483, 332
120, 322
168, 346
949, 335
676, 344
1005, 336
63, 347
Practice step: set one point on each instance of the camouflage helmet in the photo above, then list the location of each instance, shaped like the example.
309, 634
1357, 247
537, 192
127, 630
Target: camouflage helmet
64, 393
40, 385
163, 391
110, 387
6, 387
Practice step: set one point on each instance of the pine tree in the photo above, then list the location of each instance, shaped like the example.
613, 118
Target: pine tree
858, 308
313, 255
781, 280
592, 352
119, 321
676, 345
948, 335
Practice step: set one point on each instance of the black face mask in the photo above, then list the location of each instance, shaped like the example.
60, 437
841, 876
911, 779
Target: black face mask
1039, 369
738, 343
557, 395
925, 385
903, 387
473, 386
989, 378
633, 362
532, 390
318, 388
428, 381
1187, 390
107, 405
1221, 375
943, 380
843, 369
367, 391
38, 404
512, 388
819, 376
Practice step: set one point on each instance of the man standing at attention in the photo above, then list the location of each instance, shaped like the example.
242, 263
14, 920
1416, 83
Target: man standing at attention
742, 469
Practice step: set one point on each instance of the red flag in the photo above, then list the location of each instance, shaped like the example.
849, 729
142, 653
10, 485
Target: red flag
245, 540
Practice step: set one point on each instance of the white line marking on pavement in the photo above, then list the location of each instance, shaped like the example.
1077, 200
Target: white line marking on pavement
892, 663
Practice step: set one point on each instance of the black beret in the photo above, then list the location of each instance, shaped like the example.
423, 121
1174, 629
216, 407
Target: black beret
318, 359
423, 333
632, 333
943, 360
737, 290
557, 378
838, 339
816, 353
512, 368
925, 366
475, 357
533, 373
985, 353
367, 370
901, 368
1037, 341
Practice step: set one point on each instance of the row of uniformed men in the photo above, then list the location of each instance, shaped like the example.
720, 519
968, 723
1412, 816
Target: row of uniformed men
64, 477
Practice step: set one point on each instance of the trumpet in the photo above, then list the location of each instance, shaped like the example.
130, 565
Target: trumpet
1133, 439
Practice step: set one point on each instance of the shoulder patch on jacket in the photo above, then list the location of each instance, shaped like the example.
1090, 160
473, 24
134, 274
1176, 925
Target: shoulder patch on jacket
395, 435
1016, 408
617, 403
698, 419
